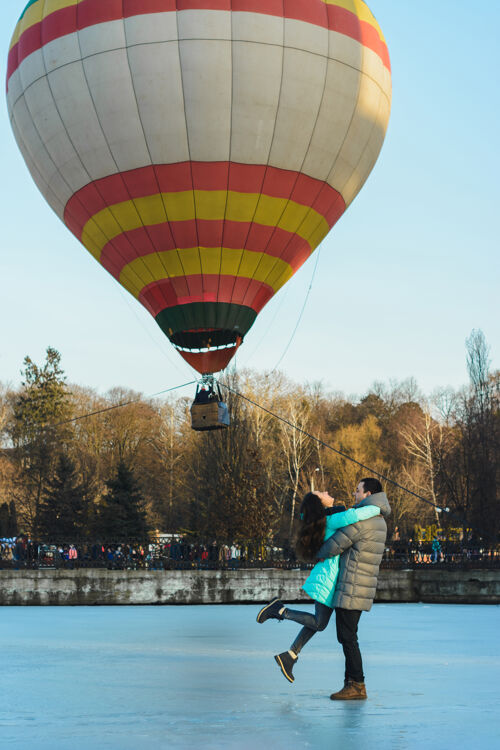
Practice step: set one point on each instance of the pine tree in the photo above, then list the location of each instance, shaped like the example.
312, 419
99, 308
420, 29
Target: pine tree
62, 510
42, 403
8, 520
12, 529
121, 516
4, 520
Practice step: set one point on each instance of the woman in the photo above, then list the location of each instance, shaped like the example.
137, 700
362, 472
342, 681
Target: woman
319, 519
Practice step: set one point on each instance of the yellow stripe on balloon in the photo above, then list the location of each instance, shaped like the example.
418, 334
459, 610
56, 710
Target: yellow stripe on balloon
94, 239
205, 260
33, 15
209, 205
317, 235
360, 9
37, 13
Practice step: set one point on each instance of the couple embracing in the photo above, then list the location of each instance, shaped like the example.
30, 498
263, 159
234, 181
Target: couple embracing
347, 546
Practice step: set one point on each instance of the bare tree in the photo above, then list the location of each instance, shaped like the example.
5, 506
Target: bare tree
424, 442
297, 447
169, 445
478, 365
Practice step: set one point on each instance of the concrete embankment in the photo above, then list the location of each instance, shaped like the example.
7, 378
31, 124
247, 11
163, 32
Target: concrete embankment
110, 587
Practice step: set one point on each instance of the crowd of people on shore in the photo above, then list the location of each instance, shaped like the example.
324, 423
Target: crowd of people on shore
179, 553
155, 554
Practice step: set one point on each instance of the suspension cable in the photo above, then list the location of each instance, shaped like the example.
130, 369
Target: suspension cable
278, 309
287, 347
335, 450
116, 406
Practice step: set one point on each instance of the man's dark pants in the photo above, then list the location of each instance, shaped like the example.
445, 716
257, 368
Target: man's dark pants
347, 635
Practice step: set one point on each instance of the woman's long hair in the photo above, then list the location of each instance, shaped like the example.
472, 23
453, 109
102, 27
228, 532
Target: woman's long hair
311, 531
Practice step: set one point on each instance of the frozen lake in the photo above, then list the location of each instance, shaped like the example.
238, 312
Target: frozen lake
124, 678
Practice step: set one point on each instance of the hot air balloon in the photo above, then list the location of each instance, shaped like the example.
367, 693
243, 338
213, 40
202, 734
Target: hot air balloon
199, 149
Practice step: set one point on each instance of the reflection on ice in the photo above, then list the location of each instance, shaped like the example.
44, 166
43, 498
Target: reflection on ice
182, 677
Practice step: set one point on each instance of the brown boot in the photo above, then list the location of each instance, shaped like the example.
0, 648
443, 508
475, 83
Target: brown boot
352, 691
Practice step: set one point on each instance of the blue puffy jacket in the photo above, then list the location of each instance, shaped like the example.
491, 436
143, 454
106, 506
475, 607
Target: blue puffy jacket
320, 585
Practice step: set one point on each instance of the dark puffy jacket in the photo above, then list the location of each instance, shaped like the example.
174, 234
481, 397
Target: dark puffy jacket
361, 546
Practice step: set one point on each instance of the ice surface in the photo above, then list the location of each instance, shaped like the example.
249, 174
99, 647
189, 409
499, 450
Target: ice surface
126, 678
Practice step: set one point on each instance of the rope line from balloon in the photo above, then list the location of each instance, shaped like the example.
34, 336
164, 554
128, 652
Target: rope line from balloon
115, 406
318, 253
335, 450
301, 313
279, 305
132, 307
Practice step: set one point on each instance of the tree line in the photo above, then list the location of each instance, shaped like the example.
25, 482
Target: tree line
128, 470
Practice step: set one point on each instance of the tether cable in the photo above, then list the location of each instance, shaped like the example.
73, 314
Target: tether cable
336, 450
318, 253
278, 310
115, 406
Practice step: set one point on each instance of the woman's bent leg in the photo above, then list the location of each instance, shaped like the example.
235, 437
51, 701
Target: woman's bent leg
312, 623
303, 637
317, 621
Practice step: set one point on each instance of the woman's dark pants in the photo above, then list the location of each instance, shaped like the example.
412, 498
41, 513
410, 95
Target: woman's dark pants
312, 624
347, 635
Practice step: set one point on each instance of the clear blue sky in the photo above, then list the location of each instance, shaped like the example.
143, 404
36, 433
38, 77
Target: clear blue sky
409, 270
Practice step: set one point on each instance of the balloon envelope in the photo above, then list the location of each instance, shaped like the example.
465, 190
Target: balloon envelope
199, 149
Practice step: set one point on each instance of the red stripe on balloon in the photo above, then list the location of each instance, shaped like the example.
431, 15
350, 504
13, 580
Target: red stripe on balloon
202, 4
60, 23
265, 7
139, 243
13, 61
140, 7
30, 41
205, 288
350, 25
92, 12
174, 178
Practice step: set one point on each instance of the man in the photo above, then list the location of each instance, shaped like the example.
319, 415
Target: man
361, 546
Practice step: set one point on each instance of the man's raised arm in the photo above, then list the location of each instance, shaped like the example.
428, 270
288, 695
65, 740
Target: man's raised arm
338, 543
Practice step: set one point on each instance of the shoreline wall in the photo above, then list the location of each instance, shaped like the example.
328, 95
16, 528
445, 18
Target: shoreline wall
119, 587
